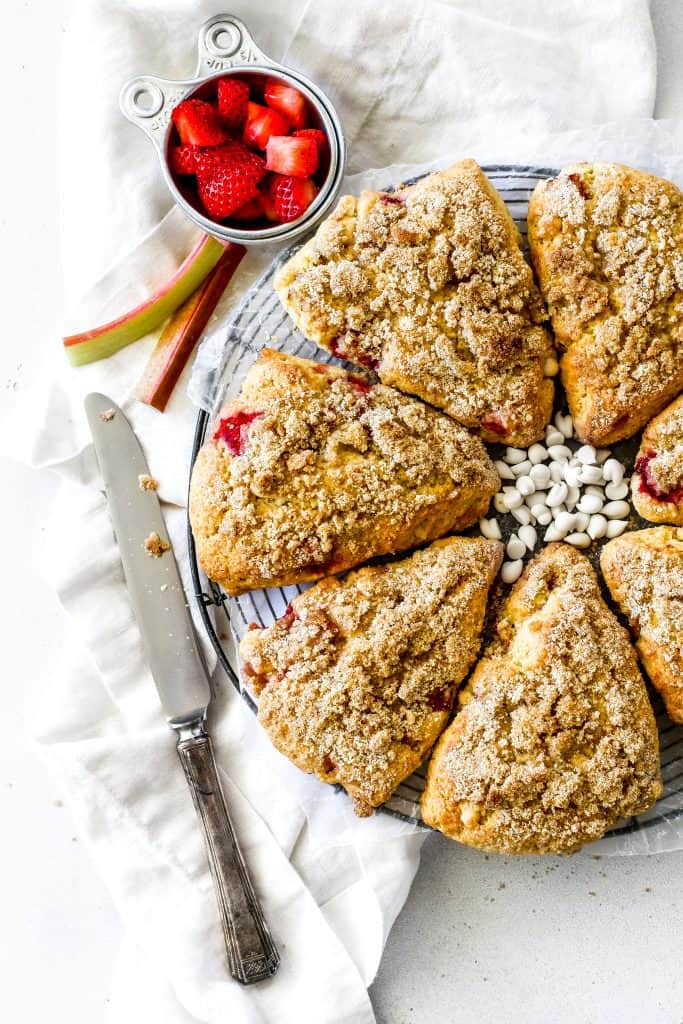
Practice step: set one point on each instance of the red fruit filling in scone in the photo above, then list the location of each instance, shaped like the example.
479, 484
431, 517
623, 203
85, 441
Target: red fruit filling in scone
234, 430
648, 484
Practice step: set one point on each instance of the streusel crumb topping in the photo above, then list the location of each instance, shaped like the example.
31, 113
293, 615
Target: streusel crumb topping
428, 285
607, 244
313, 469
555, 740
357, 679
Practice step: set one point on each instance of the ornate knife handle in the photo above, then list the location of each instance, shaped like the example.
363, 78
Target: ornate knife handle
252, 954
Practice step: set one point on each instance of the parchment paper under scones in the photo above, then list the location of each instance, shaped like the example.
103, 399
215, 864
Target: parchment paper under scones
554, 740
312, 470
357, 679
607, 245
644, 572
429, 287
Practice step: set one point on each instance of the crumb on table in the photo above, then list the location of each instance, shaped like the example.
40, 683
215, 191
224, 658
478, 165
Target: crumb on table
107, 415
147, 482
155, 546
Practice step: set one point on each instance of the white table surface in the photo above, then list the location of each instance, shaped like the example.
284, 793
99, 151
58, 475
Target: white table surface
539, 941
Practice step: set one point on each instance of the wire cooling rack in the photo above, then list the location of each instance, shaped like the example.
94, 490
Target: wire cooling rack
260, 320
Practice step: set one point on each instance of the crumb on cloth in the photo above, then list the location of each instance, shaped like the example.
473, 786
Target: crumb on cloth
147, 482
155, 546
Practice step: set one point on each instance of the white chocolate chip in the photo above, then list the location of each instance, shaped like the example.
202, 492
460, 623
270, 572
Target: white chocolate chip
556, 472
616, 509
512, 498
511, 571
490, 529
556, 495
537, 453
521, 514
615, 492
504, 471
527, 534
521, 468
559, 451
499, 504
540, 475
578, 540
564, 424
597, 527
573, 495
513, 456
572, 474
541, 514
553, 435
587, 455
590, 503
613, 471
525, 485
515, 548
582, 521
616, 527
551, 534
591, 475
565, 522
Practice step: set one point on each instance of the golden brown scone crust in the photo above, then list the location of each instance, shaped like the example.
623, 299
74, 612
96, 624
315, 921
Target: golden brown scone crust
333, 471
555, 739
607, 245
357, 679
644, 572
429, 287
657, 484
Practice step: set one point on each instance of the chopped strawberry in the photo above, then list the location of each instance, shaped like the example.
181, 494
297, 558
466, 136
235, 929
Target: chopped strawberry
227, 178
292, 196
288, 100
182, 159
266, 198
234, 430
233, 96
198, 124
318, 137
261, 123
296, 157
251, 210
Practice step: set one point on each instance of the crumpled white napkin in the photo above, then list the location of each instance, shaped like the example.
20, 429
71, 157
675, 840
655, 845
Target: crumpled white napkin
412, 81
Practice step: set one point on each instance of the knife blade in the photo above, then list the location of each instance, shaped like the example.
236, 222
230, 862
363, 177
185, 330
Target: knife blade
154, 584
172, 651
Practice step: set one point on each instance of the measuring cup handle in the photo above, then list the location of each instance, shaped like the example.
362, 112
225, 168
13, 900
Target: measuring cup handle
224, 41
148, 103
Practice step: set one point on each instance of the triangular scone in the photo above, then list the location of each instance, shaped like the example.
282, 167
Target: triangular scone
607, 245
644, 572
312, 470
428, 286
555, 739
657, 484
357, 679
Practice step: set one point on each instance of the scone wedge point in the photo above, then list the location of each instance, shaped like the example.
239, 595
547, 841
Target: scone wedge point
428, 286
607, 245
357, 679
644, 572
657, 484
554, 740
312, 470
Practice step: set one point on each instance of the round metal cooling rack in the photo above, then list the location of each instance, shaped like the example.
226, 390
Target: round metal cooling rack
260, 320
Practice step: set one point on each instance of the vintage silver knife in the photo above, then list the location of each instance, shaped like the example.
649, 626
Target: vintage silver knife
168, 636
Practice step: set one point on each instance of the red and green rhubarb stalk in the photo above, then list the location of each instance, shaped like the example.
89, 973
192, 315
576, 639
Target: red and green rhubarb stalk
180, 335
109, 338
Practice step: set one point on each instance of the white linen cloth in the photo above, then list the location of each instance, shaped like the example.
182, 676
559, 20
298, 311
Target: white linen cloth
414, 81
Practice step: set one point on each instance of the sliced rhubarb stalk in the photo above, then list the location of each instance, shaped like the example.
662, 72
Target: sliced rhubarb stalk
109, 338
182, 332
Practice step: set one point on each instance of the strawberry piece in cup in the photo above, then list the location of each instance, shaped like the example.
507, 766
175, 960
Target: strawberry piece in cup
261, 123
288, 155
291, 196
198, 124
233, 99
288, 100
227, 178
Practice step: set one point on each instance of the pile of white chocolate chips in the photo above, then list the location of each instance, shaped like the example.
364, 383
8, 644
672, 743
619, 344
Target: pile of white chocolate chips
575, 494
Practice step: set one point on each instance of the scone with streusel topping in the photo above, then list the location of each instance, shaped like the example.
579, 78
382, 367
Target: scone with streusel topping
644, 572
357, 679
428, 286
657, 484
312, 470
554, 740
607, 245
